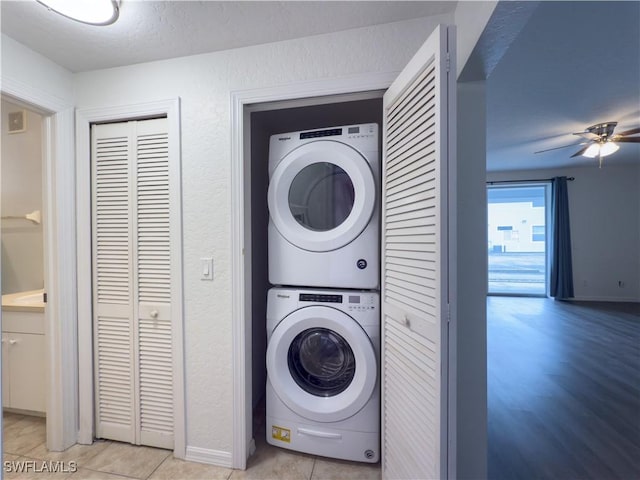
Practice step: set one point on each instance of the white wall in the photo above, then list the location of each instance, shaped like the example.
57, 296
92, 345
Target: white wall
204, 83
31, 72
471, 281
36, 80
22, 248
605, 227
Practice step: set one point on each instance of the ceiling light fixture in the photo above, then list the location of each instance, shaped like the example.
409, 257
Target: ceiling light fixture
601, 149
608, 148
592, 151
92, 12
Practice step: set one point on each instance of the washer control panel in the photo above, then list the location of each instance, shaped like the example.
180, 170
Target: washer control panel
360, 302
362, 131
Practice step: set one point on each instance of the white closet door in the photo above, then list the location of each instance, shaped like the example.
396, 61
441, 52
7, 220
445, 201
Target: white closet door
112, 283
153, 267
131, 274
415, 265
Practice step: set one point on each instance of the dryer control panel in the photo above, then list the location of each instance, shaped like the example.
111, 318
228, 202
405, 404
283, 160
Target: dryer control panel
365, 130
354, 302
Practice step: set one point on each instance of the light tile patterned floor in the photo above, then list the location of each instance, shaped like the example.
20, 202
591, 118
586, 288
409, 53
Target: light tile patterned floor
24, 441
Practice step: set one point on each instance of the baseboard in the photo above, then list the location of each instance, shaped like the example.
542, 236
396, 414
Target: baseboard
210, 457
606, 299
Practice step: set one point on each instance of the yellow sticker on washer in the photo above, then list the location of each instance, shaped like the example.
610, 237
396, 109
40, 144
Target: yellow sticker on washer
282, 434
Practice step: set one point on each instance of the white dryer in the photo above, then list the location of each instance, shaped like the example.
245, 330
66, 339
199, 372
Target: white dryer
323, 387
324, 207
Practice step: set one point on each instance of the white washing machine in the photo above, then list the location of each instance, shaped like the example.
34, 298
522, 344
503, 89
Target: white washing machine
323, 390
324, 207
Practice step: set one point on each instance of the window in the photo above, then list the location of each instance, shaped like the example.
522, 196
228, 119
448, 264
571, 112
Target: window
517, 259
538, 233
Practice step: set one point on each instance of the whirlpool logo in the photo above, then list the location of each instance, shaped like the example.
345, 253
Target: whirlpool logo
281, 139
280, 295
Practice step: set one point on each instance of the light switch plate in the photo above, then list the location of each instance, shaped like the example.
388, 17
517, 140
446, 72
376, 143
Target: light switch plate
206, 268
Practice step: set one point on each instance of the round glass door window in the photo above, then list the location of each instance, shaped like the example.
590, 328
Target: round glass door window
321, 362
321, 196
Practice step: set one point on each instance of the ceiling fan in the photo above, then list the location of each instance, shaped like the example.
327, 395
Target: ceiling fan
601, 141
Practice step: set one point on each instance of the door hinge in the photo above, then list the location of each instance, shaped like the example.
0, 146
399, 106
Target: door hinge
448, 61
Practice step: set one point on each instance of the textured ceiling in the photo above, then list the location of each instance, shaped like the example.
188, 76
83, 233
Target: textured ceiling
154, 30
573, 65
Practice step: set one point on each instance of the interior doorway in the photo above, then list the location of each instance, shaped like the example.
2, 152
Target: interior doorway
24, 373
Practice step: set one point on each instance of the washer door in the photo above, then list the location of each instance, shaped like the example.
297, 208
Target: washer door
322, 195
321, 364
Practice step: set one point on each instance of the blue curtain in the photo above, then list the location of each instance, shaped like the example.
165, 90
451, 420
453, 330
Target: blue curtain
561, 267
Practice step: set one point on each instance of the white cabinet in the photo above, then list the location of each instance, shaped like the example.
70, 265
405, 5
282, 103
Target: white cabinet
23, 361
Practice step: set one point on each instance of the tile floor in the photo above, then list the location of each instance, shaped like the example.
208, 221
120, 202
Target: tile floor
24, 441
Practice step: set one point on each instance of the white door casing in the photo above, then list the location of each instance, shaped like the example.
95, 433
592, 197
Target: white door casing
242, 103
358, 171
415, 259
308, 92
84, 119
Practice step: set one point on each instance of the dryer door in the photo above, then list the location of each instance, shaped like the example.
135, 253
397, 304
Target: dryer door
322, 195
321, 364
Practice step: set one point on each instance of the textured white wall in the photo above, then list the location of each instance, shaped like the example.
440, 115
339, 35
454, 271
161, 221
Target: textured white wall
22, 251
34, 72
605, 227
204, 84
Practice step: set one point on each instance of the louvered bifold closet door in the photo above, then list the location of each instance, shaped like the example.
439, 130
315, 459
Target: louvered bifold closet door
113, 292
414, 259
154, 284
132, 326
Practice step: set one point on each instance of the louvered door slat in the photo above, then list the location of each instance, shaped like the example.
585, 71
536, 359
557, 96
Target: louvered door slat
414, 276
405, 131
417, 437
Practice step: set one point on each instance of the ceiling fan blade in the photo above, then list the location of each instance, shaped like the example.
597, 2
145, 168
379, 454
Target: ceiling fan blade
580, 152
558, 148
627, 140
633, 131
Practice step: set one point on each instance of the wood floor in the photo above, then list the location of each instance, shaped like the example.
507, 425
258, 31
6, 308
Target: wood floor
563, 389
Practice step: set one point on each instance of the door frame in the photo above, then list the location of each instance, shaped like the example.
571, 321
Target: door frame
84, 119
241, 101
59, 258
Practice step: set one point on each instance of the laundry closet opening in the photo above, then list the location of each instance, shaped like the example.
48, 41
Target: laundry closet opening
267, 119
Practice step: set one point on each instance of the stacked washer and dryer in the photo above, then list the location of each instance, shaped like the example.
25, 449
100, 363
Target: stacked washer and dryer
323, 314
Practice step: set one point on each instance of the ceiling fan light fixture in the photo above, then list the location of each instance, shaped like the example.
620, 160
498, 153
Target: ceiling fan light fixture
592, 151
608, 148
92, 12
